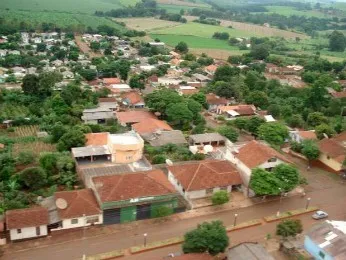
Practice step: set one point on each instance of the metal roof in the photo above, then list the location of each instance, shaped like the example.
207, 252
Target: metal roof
90, 151
208, 137
249, 251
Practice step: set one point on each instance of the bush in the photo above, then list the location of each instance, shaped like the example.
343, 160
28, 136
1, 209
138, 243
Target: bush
33, 178
25, 158
220, 197
162, 211
290, 227
159, 159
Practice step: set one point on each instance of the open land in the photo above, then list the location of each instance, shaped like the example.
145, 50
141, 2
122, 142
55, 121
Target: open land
181, 3
288, 11
146, 24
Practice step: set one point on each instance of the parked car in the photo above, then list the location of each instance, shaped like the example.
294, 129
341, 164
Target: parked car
320, 215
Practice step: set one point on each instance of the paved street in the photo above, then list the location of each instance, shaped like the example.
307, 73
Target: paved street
326, 192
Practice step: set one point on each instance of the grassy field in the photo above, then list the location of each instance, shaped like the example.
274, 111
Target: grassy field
288, 11
175, 9
60, 19
146, 24
75, 6
198, 4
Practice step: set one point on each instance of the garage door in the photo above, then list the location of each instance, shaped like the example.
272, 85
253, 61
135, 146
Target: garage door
143, 211
111, 216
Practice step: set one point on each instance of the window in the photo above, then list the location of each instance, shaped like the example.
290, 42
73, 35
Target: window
272, 159
74, 221
38, 231
321, 254
19, 231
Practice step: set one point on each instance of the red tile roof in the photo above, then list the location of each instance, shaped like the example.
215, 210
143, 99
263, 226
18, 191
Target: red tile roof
96, 138
133, 97
243, 110
189, 91
334, 147
151, 126
213, 99
107, 99
31, 217
254, 153
109, 81
308, 135
79, 202
211, 68
206, 174
134, 116
132, 185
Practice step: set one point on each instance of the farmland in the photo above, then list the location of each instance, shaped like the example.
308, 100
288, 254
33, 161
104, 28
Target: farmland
182, 3
24, 131
146, 24
60, 19
288, 11
35, 147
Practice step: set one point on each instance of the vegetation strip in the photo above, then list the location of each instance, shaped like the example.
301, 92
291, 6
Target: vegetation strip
156, 245
290, 213
108, 255
247, 224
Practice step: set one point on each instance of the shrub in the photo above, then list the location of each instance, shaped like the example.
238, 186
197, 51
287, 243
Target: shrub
33, 177
159, 159
25, 157
162, 211
290, 227
220, 197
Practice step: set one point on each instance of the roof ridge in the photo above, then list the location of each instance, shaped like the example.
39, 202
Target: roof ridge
88, 202
156, 170
67, 210
116, 186
194, 176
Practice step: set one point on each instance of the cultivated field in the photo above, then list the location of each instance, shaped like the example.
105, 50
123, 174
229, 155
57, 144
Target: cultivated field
35, 147
218, 54
23, 131
181, 3
146, 24
175, 9
288, 11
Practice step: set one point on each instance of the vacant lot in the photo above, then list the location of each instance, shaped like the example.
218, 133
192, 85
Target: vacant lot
146, 24
35, 147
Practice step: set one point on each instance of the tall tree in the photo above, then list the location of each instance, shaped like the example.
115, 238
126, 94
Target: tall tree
310, 149
182, 47
337, 41
273, 133
288, 175
289, 228
264, 183
137, 81
179, 113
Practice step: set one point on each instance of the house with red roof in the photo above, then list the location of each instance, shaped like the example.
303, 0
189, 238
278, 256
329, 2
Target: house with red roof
77, 208
110, 81
235, 111
214, 102
333, 152
151, 126
132, 117
134, 196
27, 223
133, 100
211, 69
301, 135
202, 179
252, 155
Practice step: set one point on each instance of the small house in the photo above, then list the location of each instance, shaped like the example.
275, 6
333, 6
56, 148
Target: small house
133, 100
300, 136
97, 115
132, 117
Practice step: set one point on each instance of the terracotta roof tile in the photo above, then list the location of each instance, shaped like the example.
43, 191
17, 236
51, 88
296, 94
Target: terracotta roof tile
213, 99
109, 81
31, 217
254, 153
211, 68
334, 147
206, 174
133, 97
107, 99
341, 94
308, 135
132, 185
150, 126
96, 138
241, 109
79, 202
134, 116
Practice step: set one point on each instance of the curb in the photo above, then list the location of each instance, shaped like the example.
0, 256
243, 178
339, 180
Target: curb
165, 243
288, 214
248, 224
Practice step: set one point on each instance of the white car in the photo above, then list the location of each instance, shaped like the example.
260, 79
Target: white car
320, 215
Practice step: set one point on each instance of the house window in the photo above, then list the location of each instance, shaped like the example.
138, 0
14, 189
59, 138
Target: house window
38, 231
74, 221
92, 220
272, 159
209, 191
19, 231
321, 254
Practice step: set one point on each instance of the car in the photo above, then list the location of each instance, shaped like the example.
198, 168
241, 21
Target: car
320, 215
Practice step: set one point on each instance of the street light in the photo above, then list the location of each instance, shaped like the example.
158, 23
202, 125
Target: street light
307, 203
145, 239
84, 224
235, 219
278, 213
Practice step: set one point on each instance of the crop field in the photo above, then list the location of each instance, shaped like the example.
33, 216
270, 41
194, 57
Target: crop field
146, 24
36, 147
24, 131
218, 54
75, 6
10, 111
182, 3
288, 11
175, 9
58, 18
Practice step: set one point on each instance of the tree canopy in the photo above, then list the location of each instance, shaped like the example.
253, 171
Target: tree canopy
273, 133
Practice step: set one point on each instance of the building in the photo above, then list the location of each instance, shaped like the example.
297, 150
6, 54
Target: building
215, 102
117, 89
213, 139
249, 251
108, 103
151, 126
187, 90
77, 208
211, 69
97, 115
133, 196
333, 151
300, 136
133, 100
327, 241
202, 179
27, 223
157, 44
110, 81
132, 117
201, 78
233, 112
116, 148
252, 155
161, 138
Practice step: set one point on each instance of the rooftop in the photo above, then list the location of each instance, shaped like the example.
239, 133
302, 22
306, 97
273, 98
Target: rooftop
206, 174
132, 185
109, 81
151, 126
96, 139
30, 217
133, 97
206, 138
166, 137
213, 99
134, 116
94, 150
334, 147
249, 251
240, 109
125, 139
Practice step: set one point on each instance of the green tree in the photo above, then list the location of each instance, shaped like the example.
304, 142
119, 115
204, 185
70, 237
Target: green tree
337, 41
179, 113
88, 74
324, 129
159, 100
137, 82
194, 107
208, 237
288, 176
228, 89
260, 51
310, 149
264, 183
72, 138
295, 121
33, 178
200, 98
229, 132
95, 46
220, 197
253, 124
273, 133
182, 47
25, 157
225, 73
289, 228
257, 98
317, 118
30, 85
159, 159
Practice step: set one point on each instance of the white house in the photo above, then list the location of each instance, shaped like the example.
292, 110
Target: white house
254, 155
77, 208
202, 179
27, 223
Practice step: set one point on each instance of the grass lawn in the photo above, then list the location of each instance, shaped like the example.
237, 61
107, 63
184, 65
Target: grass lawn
194, 41
204, 30
288, 11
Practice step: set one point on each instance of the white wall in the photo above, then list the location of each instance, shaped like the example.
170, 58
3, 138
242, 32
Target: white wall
196, 194
267, 165
174, 182
28, 232
82, 222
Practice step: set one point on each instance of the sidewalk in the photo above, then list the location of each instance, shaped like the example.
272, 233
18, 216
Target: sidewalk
65, 236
